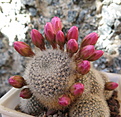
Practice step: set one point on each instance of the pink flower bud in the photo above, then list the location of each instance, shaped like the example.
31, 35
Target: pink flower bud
111, 86
86, 52
23, 49
83, 67
37, 39
60, 38
56, 23
90, 39
17, 81
49, 32
72, 46
72, 33
25, 93
64, 100
77, 89
96, 55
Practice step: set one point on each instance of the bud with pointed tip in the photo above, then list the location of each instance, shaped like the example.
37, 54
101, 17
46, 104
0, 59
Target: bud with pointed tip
72, 33
72, 46
77, 89
111, 86
17, 81
57, 24
90, 39
23, 49
64, 100
49, 34
37, 39
96, 55
60, 38
25, 93
86, 52
83, 67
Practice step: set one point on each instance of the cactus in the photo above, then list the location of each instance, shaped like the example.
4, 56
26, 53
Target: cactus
89, 105
62, 78
27, 105
49, 75
93, 101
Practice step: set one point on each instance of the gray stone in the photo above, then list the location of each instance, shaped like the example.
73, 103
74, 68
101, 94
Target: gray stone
6, 59
119, 49
107, 2
5, 1
4, 44
3, 72
117, 1
112, 50
104, 30
109, 21
115, 10
76, 1
72, 15
49, 2
105, 14
32, 11
117, 26
12, 18
28, 2
81, 16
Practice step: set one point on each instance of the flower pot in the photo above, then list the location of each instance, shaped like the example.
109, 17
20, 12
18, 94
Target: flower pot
116, 78
11, 99
8, 103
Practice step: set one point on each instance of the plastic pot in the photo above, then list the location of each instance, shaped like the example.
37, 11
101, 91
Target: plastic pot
8, 103
11, 99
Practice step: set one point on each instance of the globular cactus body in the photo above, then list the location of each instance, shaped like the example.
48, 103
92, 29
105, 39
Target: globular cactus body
93, 101
49, 75
61, 80
31, 106
90, 106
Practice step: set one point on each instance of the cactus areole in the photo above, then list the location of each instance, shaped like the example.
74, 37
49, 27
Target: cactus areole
60, 77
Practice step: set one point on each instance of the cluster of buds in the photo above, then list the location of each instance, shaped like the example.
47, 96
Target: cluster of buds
19, 82
81, 55
53, 32
76, 89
